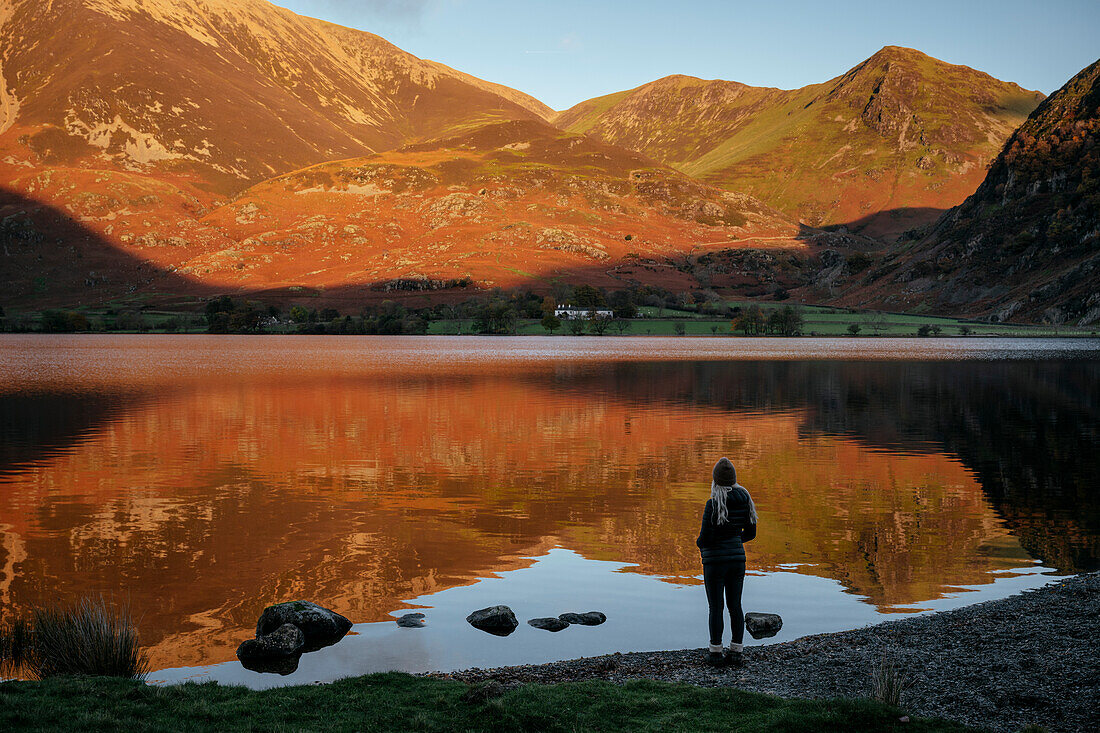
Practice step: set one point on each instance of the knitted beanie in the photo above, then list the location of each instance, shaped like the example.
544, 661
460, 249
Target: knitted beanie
724, 472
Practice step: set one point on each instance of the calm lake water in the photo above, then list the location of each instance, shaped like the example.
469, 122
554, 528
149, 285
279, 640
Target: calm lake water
203, 478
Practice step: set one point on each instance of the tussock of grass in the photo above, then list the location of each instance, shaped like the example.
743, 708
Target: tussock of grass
395, 701
888, 680
91, 637
15, 638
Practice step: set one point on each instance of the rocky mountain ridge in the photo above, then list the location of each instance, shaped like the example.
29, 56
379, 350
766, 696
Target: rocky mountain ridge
1027, 242
881, 148
225, 92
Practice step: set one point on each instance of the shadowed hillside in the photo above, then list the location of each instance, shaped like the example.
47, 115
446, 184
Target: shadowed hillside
1026, 245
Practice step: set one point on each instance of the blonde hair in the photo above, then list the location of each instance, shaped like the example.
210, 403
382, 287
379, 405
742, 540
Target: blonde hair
718, 495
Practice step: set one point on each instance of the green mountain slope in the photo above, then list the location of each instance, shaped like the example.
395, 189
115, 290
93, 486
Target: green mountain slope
884, 147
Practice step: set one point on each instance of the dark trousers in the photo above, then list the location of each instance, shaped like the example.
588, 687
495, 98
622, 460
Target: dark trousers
723, 582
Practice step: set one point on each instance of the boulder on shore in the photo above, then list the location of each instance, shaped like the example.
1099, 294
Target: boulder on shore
550, 623
411, 621
498, 620
320, 626
591, 618
285, 641
763, 625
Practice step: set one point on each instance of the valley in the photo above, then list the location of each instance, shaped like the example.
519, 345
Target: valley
299, 159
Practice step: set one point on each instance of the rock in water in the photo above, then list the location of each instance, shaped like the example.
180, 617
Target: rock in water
320, 626
549, 623
279, 665
763, 625
411, 621
285, 641
591, 618
498, 620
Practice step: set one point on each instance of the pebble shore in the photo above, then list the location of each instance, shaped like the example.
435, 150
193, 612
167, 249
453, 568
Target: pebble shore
1033, 658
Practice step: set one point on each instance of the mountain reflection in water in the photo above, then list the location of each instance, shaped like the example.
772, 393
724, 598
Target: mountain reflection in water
298, 468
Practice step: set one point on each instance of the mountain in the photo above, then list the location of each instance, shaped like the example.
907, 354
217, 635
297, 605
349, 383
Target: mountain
1026, 244
509, 203
162, 148
882, 148
220, 93
153, 149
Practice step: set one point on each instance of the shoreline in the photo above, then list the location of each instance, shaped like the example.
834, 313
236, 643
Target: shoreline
1032, 658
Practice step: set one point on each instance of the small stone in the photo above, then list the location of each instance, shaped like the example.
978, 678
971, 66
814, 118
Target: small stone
763, 625
411, 621
549, 623
903, 719
497, 620
590, 618
609, 664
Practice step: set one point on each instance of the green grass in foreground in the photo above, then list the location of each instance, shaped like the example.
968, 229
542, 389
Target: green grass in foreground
395, 701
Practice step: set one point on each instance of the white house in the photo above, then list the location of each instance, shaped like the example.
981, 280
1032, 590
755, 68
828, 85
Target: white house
570, 312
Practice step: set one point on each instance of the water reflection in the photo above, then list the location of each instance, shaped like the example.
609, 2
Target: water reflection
203, 492
643, 613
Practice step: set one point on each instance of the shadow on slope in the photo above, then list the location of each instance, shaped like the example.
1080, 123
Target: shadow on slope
48, 257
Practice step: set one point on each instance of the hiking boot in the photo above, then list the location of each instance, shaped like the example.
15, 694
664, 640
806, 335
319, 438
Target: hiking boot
716, 659
734, 659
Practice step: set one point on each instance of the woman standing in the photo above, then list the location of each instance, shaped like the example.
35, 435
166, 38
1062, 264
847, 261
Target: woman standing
729, 520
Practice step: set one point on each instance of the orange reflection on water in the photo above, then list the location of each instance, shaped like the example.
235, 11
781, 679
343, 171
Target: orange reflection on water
204, 503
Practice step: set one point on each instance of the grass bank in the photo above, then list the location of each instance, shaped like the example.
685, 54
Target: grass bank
394, 701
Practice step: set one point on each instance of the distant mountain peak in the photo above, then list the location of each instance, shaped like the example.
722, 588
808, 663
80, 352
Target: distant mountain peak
232, 91
883, 146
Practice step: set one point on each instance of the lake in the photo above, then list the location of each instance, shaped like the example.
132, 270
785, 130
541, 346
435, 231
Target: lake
202, 478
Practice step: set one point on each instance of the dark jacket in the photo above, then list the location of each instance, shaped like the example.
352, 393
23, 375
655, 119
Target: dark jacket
724, 542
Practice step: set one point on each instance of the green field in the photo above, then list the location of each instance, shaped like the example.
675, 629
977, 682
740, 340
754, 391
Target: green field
400, 702
818, 321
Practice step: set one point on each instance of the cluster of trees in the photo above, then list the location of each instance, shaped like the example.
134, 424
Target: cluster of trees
71, 321
227, 315
785, 321
498, 311
62, 321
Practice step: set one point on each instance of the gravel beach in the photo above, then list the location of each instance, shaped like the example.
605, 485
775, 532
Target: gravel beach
1033, 658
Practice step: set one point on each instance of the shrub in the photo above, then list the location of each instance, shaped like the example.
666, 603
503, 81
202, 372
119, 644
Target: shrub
888, 680
15, 639
56, 321
858, 262
91, 637
599, 324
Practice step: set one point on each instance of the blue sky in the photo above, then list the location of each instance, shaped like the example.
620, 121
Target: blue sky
565, 51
